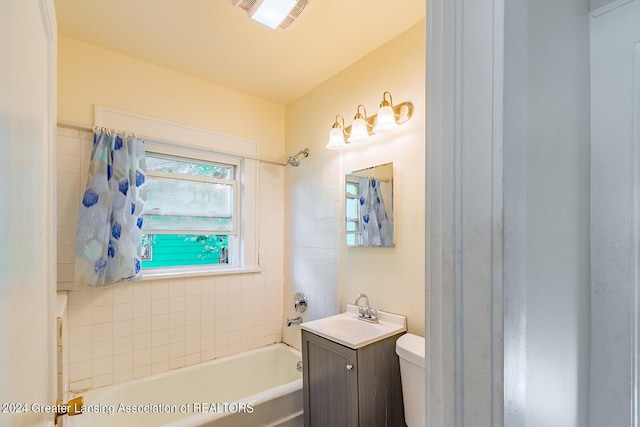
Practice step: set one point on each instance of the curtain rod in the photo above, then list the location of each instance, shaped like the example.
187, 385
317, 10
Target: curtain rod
86, 128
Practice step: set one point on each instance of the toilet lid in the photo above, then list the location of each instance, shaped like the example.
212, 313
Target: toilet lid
411, 347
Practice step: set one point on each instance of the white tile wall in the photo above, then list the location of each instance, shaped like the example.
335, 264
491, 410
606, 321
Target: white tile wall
71, 182
312, 238
131, 330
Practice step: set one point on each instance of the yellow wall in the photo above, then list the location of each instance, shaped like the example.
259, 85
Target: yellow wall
89, 75
393, 278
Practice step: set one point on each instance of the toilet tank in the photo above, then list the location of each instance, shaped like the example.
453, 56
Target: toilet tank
410, 349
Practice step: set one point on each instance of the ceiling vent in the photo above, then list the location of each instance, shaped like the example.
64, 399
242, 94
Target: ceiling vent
250, 6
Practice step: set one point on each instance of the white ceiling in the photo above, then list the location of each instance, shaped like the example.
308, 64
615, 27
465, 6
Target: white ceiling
216, 41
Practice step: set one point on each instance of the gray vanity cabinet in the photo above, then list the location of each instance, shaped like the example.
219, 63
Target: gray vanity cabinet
347, 387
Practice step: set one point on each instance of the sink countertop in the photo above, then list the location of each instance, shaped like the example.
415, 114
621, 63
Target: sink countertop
346, 329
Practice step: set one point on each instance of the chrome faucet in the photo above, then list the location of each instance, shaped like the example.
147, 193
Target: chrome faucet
365, 312
358, 298
294, 321
300, 304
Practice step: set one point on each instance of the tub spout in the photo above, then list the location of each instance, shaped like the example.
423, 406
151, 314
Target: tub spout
294, 321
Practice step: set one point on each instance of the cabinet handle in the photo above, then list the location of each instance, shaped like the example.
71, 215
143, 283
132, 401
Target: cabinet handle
349, 367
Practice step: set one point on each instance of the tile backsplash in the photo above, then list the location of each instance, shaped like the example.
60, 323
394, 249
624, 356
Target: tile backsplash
135, 329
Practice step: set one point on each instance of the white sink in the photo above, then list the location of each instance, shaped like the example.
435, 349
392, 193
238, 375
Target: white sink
348, 327
348, 330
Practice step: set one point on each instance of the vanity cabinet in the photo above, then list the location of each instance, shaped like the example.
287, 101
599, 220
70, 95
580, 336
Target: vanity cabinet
351, 387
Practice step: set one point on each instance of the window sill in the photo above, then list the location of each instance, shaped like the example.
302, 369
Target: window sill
171, 274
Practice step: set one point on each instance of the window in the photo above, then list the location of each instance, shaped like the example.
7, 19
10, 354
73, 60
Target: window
191, 214
221, 233
352, 209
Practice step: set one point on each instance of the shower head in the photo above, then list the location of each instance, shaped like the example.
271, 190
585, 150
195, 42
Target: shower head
293, 160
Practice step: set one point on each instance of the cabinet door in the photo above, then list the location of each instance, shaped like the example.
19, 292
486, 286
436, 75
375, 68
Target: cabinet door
330, 383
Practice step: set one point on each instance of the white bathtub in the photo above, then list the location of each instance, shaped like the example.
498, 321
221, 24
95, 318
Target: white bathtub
256, 388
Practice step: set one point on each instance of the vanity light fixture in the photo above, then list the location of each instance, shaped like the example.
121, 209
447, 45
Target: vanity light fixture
389, 117
360, 126
336, 136
386, 116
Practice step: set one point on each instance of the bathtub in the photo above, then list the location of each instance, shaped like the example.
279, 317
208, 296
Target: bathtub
261, 387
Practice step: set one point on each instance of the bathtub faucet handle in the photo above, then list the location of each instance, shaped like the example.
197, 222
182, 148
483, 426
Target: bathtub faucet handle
300, 302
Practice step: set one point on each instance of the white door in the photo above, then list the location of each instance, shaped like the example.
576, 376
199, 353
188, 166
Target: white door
27, 239
615, 202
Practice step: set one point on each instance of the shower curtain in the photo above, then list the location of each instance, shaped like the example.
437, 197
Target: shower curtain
109, 240
376, 230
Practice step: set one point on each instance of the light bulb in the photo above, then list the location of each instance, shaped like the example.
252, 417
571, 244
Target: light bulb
336, 139
386, 120
358, 130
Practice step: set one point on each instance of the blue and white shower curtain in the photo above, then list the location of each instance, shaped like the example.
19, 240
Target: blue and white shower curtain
376, 230
109, 239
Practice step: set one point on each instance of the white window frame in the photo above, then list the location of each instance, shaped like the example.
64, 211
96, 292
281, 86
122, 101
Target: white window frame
168, 138
233, 183
349, 196
234, 244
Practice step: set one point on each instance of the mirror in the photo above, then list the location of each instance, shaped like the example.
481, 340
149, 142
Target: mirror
369, 207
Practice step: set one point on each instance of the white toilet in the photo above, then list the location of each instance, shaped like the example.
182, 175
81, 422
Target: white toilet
410, 349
